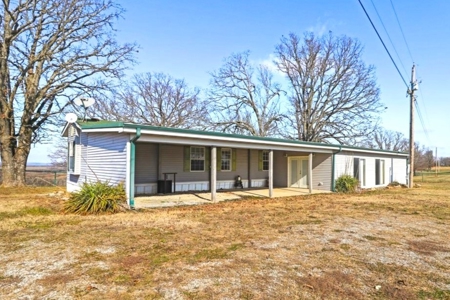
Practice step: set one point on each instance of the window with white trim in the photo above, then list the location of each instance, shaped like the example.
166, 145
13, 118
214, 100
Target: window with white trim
71, 160
265, 160
197, 159
226, 155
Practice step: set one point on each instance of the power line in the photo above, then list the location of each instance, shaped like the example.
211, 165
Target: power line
389, 37
424, 106
401, 29
385, 48
419, 113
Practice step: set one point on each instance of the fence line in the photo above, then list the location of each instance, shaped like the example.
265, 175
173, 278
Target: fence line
49, 177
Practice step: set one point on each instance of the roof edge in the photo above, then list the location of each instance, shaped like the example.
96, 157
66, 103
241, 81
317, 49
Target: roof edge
117, 124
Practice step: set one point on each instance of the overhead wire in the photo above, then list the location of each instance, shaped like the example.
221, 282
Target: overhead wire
419, 113
384, 45
389, 37
422, 121
401, 29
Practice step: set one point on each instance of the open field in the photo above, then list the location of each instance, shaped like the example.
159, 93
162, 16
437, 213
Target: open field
44, 176
385, 244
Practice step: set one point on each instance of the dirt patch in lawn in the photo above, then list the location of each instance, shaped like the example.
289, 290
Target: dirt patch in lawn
385, 244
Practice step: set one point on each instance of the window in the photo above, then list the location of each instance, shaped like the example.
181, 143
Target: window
71, 164
356, 168
362, 172
225, 159
197, 158
359, 170
265, 160
379, 172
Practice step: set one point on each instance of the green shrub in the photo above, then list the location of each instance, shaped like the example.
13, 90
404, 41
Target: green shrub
346, 184
96, 198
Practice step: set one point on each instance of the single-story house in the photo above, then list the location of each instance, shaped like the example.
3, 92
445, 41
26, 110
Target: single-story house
151, 159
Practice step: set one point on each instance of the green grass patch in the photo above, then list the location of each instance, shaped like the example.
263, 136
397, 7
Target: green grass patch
30, 211
434, 294
208, 254
235, 247
39, 225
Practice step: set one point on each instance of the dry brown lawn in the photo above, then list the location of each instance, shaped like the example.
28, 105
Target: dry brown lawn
385, 244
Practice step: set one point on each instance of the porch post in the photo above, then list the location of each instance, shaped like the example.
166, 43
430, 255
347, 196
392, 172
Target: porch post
249, 172
271, 173
213, 173
310, 174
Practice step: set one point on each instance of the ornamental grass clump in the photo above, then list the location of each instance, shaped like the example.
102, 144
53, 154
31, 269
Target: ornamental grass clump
97, 198
346, 184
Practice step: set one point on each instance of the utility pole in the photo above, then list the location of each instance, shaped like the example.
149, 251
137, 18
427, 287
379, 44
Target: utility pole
411, 91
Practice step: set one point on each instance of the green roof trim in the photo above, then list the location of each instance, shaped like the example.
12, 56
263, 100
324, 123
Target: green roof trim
115, 124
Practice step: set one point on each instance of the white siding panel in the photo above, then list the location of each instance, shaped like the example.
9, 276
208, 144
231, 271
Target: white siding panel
344, 165
106, 157
399, 173
146, 189
75, 181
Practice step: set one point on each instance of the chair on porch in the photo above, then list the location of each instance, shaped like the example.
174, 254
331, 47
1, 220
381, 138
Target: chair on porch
238, 182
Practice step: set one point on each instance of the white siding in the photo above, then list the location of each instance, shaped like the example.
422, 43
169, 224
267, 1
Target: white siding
105, 158
399, 173
74, 181
393, 165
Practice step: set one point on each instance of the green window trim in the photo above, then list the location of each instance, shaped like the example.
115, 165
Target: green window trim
219, 160
261, 160
233, 159
187, 159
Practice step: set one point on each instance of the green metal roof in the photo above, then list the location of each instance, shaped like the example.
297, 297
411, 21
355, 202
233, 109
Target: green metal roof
115, 124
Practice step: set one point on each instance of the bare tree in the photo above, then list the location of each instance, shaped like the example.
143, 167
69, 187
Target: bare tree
51, 51
246, 99
429, 159
155, 99
333, 94
58, 154
384, 139
445, 161
420, 158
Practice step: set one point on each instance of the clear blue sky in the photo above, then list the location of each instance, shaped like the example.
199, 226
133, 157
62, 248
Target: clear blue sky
189, 39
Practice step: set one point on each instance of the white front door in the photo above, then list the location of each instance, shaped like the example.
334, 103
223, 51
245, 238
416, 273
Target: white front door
298, 172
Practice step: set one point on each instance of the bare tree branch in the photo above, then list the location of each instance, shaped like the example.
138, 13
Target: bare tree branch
384, 139
156, 99
333, 94
246, 99
51, 51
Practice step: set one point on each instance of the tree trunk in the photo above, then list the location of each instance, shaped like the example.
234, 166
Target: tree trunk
13, 164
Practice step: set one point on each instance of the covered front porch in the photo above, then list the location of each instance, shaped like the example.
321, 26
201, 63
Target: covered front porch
194, 198
205, 170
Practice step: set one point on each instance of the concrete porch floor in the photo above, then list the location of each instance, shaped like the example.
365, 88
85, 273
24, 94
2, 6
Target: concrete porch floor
169, 200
